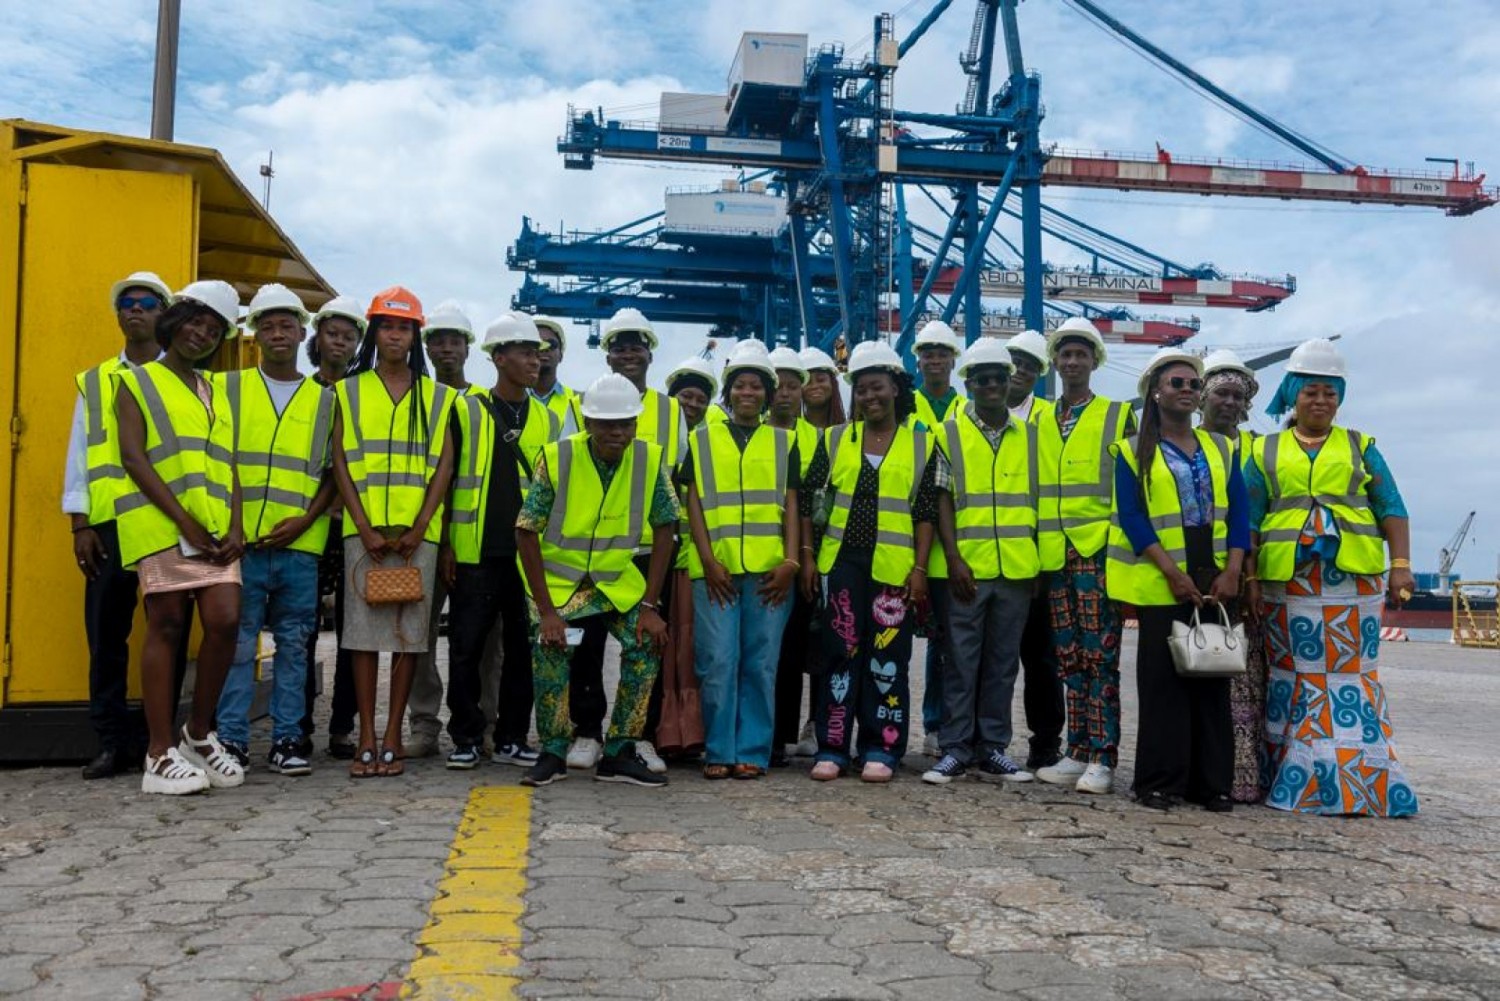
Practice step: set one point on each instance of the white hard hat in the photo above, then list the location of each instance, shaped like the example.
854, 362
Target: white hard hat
612, 398
269, 298
699, 366
1225, 360
216, 295
342, 305
1034, 344
140, 279
448, 315
985, 351
1162, 358
818, 360
871, 355
510, 328
624, 321
552, 323
1077, 327
1317, 357
936, 334
791, 361
749, 355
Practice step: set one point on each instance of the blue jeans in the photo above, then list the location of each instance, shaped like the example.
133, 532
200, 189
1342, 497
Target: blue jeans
279, 591
735, 650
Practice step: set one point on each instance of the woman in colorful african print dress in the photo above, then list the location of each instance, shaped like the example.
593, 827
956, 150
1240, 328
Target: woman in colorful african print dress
1326, 508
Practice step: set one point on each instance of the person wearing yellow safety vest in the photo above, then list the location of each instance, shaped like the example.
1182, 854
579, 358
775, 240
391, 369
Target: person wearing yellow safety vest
561, 400
988, 526
1229, 386
500, 438
693, 385
1075, 436
337, 327
1177, 541
577, 533
92, 479
822, 400
1325, 508
628, 340
393, 459
1042, 692
884, 478
179, 524
283, 425
447, 334
742, 478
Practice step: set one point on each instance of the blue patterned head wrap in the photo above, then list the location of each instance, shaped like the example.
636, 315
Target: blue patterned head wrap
1292, 383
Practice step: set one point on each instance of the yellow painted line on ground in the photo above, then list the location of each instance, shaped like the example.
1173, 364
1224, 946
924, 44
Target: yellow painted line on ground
471, 947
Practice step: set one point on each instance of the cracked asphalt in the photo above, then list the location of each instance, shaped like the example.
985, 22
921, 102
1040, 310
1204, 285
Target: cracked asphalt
781, 888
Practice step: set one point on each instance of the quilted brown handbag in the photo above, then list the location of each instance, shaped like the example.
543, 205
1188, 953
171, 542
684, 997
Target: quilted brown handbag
392, 585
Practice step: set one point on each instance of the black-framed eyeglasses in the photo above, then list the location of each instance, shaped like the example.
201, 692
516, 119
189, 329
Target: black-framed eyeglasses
1185, 382
131, 301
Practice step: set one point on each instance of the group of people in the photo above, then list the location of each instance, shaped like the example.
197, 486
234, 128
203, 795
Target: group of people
738, 529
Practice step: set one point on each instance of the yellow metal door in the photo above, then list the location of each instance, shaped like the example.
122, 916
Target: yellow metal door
82, 230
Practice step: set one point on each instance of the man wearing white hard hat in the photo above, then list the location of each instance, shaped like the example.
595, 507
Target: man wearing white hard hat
283, 423
1075, 438
500, 438
92, 480
591, 497
560, 399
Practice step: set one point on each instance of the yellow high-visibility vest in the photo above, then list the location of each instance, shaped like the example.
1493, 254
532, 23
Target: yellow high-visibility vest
900, 476
561, 402
930, 418
192, 450
391, 472
1336, 479
107, 481
474, 460
743, 494
592, 531
995, 495
1136, 579
1078, 478
280, 458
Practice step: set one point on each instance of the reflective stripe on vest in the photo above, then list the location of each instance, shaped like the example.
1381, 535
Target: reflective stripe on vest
189, 446
474, 462
1336, 479
743, 495
591, 531
281, 457
1138, 580
995, 494
1078, 479
900, 477
107, 481
390, 472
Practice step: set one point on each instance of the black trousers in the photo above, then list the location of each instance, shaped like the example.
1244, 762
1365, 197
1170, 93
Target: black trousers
1185, 740
1042, 690
485, 595
586, 701
342, 711
109, 603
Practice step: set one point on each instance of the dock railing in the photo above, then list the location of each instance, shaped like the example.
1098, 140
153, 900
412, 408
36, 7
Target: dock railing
1474, 627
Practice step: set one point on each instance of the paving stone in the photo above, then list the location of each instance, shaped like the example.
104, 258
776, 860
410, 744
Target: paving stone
887, 963
690, 962
676, 932
579, 914
257, 964
124, 983
860, 930
943, 989
807, 981
697, 990
16, 973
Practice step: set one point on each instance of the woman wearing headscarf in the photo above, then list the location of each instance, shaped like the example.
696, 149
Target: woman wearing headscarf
1229, 386
1326, 509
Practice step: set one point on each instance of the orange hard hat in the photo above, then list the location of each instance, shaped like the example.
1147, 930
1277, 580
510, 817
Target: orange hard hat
398, 303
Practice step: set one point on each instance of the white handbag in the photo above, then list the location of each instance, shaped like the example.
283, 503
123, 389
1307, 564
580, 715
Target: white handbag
1208, 649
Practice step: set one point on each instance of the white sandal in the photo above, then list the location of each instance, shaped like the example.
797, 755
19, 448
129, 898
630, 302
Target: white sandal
224, 772
173, 775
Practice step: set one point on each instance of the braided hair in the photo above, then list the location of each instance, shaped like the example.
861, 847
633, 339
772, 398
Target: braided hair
416, 362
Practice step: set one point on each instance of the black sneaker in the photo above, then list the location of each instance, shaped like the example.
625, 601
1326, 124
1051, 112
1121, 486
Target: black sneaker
305, 747
946, 770
627, 767
997, 764
341, 746
520, 754
463, 757
549, 768
239, 752
285, 758
1042, 758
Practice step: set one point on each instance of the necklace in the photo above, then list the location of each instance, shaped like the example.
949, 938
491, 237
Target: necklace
1309, 440
514, 409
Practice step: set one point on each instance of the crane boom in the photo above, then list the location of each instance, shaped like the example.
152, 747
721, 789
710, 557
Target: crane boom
1449, 553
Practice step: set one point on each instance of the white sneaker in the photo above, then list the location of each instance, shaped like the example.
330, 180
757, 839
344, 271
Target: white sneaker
173, 775
807, 742
930, 746
223, 768
646, 751
1098, 779
585, 752
1066, 772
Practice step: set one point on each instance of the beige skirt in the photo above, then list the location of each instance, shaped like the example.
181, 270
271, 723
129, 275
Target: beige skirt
385, 628
169, 570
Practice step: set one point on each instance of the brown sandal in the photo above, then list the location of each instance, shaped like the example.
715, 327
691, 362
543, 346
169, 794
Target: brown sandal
390, 765
363, 766
743, 771
715, 772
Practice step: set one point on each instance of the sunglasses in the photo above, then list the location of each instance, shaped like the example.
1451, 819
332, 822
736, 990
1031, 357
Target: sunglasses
1185, 382
131, 301
989, 379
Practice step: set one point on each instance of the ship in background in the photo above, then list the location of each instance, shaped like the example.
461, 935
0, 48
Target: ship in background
1439, 597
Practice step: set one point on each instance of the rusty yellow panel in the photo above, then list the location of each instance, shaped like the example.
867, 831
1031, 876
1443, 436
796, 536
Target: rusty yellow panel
84, 228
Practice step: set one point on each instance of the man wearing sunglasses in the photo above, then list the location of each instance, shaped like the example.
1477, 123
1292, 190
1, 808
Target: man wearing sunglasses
93, 480
561, 400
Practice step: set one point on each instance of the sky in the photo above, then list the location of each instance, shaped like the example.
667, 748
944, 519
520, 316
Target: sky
411, 137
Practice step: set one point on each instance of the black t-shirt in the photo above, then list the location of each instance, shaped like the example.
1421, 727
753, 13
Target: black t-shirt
504, 501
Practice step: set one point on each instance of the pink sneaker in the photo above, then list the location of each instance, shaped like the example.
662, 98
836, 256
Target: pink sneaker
874, 771
825, 771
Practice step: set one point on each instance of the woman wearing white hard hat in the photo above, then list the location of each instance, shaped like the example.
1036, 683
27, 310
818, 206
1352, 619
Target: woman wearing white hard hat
180, 528
1176, 548
1325, 509
874, 555
822, 400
